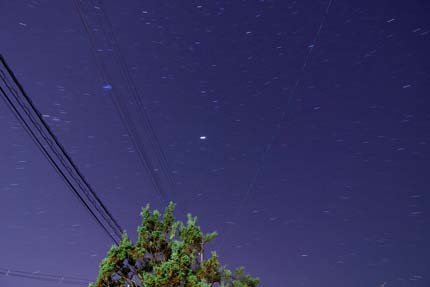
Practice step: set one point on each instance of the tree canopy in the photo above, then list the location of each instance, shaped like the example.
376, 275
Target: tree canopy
167, 253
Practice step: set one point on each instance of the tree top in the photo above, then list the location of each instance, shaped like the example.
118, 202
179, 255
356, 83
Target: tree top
167, 253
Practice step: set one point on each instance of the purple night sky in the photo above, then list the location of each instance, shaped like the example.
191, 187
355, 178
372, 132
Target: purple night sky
302, 137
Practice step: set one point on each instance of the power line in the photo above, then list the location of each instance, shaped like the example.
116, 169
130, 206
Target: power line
44, 277
117, 101
276, 134
106, 50
144, 115
26, 112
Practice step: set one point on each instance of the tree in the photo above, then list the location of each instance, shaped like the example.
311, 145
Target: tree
167, 253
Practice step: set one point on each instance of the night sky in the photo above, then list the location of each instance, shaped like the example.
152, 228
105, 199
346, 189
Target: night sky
301, 136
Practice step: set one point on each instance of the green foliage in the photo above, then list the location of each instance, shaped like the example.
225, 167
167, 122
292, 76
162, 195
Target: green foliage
167, 253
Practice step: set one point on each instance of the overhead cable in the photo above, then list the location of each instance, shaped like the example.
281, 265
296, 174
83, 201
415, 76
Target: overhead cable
32, 120
124, 93
68, 280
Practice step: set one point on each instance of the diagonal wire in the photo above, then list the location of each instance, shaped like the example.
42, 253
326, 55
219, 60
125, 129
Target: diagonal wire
121, 107
44, 277
144, 115
277, 133
37, 126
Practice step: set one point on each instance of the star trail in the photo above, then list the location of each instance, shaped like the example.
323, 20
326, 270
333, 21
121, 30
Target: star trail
298, 130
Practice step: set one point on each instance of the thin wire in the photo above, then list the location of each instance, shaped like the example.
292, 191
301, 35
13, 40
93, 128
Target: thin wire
121, 108
49, 158
277, 133
53, 141
44, 277
144, 115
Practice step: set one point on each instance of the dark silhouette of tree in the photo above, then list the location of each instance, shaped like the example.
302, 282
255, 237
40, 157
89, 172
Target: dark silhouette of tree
167, 253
